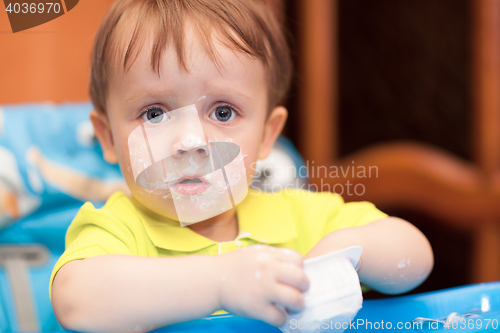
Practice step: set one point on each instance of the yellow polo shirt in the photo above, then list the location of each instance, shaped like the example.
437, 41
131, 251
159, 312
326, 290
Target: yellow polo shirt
296, 219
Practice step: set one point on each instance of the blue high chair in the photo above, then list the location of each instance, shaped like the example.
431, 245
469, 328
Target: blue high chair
43, 144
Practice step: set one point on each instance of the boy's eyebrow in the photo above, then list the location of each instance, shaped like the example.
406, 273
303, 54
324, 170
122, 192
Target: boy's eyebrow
224, 92
227, 92
146, 94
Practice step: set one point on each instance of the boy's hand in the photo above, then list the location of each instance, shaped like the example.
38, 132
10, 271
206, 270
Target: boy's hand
257, 279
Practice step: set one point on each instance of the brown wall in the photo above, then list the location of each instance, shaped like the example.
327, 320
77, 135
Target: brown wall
51, 61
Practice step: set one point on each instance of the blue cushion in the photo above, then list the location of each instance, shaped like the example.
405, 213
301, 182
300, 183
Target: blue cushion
62, 135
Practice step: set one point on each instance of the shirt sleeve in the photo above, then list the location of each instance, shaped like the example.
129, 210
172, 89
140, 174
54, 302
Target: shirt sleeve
94, 232
353, 214
316, 214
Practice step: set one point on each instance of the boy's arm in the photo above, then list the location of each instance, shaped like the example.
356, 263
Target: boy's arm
123, 293
396, 257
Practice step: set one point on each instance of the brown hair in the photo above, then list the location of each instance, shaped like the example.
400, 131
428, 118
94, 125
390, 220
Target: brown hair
248, 26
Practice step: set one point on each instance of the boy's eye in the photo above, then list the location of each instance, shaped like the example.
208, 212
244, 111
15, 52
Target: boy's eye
155, 115
223, 113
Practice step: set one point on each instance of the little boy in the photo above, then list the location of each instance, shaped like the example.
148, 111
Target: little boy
175, 83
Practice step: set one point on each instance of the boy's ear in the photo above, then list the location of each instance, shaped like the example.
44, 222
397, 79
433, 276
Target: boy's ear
103, 133
272, 129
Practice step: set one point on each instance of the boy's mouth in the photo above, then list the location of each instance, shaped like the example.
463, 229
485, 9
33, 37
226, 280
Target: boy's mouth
190, 185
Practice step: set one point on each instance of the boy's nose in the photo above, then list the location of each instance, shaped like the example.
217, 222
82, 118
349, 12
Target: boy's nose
201, 151
180, 149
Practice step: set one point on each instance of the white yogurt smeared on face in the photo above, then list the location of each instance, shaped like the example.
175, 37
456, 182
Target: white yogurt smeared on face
192, 140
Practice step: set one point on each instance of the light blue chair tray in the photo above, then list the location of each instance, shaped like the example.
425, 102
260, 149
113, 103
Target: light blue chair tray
477, 302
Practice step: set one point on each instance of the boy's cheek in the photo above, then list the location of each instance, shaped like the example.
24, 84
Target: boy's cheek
129, 178
125, 167
250, 166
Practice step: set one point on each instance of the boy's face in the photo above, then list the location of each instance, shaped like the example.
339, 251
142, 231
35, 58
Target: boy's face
230, 102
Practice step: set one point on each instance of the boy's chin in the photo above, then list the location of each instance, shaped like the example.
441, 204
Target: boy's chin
184, 208
157, 201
